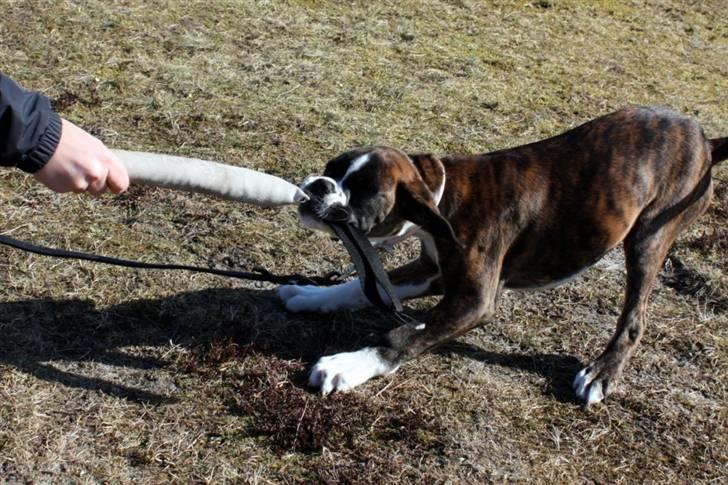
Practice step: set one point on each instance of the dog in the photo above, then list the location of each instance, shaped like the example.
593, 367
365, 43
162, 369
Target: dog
528, 217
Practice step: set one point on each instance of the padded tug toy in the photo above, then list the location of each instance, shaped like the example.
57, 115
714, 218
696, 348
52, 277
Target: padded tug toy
226, 181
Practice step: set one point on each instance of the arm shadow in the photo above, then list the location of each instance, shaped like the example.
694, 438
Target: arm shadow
120, 350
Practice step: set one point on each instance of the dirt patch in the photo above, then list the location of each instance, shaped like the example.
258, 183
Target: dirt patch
271, 394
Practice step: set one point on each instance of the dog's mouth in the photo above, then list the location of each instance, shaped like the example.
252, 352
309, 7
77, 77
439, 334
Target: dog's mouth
318, 208
317, 214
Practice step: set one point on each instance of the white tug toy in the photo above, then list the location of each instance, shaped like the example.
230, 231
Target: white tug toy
226, 181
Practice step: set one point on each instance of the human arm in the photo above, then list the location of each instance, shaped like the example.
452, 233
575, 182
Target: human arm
61, 155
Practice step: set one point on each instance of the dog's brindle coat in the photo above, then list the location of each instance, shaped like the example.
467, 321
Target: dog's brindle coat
526, 217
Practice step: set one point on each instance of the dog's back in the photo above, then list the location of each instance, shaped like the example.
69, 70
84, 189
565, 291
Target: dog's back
573, 197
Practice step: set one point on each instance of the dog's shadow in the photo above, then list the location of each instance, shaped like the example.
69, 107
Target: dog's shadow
71, 342
557, 369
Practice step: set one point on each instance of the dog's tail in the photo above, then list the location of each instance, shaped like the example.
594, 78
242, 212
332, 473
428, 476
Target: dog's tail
719, 149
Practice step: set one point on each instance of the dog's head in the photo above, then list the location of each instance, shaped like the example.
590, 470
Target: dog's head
378, 190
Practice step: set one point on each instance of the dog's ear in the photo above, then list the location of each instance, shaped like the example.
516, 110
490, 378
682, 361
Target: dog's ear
415, 203
430, 169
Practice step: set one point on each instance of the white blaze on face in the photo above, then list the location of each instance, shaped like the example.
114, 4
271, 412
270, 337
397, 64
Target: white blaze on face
339, 195
355, 166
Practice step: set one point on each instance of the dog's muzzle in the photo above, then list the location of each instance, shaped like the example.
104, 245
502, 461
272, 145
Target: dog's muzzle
326, 200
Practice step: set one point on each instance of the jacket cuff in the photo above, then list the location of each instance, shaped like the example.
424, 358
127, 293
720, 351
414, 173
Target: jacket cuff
36, 159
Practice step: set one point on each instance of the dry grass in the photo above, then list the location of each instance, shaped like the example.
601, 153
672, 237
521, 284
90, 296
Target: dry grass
109, 375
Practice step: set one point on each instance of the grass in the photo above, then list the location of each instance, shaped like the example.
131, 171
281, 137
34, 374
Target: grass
110, 375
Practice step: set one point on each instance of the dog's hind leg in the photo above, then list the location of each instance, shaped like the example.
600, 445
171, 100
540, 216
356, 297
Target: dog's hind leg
645, 248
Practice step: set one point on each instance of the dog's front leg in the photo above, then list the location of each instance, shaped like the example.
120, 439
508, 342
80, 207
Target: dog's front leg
459, 311
323, 299
418, 278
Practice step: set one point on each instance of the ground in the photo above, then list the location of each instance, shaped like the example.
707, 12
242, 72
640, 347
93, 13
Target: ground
114, 375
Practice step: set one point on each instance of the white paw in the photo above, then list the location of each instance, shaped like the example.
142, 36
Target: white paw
342, 372
587, 387
322, 299
286, 292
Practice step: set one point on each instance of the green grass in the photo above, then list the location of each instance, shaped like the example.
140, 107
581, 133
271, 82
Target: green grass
112, 375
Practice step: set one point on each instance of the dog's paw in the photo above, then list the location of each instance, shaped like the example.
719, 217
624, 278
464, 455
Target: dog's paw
594, 382
286, 292
306, 298
342, 372
326, 299
588, 388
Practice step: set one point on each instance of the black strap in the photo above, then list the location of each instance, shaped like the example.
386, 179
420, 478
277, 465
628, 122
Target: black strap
368, 266
372, 275
258, 274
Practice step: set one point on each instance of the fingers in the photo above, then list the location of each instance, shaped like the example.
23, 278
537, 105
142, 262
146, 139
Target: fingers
117, 179
110, 173
82, 163
95, 174
95, 177
97, 188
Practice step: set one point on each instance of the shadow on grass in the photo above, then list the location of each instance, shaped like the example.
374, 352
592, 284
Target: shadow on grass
52, 340
689, 282
559, 370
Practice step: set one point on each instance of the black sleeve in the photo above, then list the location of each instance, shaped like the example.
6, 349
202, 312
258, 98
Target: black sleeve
29, 128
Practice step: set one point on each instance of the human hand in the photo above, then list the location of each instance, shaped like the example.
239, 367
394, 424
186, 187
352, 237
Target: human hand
82, 163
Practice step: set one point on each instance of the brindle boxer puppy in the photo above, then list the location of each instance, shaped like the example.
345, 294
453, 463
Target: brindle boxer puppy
527, 217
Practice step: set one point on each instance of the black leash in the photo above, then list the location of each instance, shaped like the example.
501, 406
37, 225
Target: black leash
372, 275
258, 274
